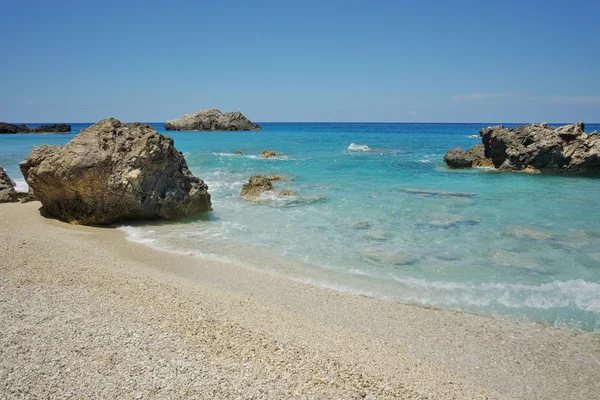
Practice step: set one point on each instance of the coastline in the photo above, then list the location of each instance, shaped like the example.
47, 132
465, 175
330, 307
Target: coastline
86, 312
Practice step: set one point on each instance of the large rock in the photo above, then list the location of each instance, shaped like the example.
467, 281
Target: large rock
114, 171
538, 147
7, 188
52, 128
474, 157
211, 120
256, 185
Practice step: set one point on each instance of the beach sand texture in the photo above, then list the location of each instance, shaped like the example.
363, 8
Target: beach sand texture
86, 314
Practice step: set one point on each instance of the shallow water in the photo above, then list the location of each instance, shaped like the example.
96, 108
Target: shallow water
378, 213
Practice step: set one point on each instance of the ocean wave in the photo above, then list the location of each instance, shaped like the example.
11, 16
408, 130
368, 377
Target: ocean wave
251, 156
473, 136
359, 147
21, 185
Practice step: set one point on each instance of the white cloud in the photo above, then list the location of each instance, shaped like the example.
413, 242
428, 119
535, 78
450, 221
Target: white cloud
479, 96
590, 100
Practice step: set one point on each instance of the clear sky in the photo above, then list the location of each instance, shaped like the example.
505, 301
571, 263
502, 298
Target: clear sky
423, 61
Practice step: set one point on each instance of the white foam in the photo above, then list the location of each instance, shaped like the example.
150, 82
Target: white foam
21, 185
473, 136
358, 147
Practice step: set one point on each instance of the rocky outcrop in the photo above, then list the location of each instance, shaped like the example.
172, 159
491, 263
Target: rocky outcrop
268, 154
211, 120
539, 147
7, 188
52, 128
475, 156
112, 172
534, 148
256, 185
237, 153
11, 128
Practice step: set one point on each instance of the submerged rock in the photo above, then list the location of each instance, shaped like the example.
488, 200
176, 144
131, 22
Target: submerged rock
441, 193
475, 156
390, 255
287, 192
211, 120
52, 128
7, 188
114, 171
540, 148
256, 185
268, 154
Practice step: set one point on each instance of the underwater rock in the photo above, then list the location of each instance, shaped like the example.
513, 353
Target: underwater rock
114, 171
212, 120
376, 234
442, 193
527, 233
389, 255
360, 225
286, 192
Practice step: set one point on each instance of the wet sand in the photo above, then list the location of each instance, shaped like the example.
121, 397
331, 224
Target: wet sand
86, 314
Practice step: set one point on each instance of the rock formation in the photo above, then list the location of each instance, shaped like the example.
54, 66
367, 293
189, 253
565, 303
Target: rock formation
538, 148
237, 153
52, 128
268, 154
474, 157
11, 128
114, 171
7, 188
256, 185
211, 120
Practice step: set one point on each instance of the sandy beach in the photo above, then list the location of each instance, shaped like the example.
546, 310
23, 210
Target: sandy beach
86, 314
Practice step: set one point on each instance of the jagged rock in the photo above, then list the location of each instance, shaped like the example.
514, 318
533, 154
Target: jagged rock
52, 128
11, 128
211, 120
256, 185
540, 148
7, 188
475, 156
237, 153
268, 154
275, 178
114, 171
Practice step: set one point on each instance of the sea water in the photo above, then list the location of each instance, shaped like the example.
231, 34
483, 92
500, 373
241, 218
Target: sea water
378, 213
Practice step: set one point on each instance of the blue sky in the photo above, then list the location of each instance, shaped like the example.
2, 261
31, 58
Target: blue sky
423, 61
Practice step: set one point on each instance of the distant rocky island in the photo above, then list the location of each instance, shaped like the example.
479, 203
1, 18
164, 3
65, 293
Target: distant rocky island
212, 120
51, 128
534, 148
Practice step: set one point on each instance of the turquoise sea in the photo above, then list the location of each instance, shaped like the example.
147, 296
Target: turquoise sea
379, 214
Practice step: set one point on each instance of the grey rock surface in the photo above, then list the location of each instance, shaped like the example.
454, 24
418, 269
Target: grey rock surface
538, 147
7, 188
211, 120
114, 171
458, 158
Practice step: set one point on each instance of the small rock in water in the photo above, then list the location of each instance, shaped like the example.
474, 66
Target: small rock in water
268, 154
237, 153
275, 178
452, 222
361, 225
256, 185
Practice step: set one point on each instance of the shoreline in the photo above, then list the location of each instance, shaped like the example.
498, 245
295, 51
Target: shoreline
92, 314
